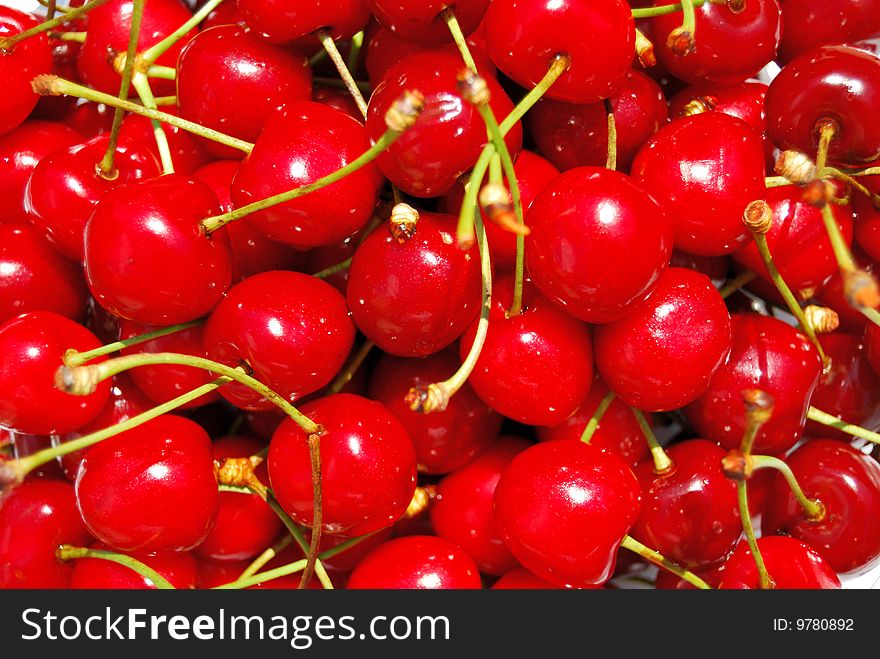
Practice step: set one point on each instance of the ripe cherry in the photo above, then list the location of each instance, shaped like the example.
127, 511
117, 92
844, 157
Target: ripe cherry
134, 233
523, 37
535, 367
33, 346
414, 298
598, 243
744, 100
790, 563
809, 23
867, 216
178, 568
571, 533
704, 169
831, 295
765, 354
420, 562
421, 21
444, 441
280, 22
292, 330
188, 152
368, 466
662, 354
91, 119
520, 578
18, 66
151, 488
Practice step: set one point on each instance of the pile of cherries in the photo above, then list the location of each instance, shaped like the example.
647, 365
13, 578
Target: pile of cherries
260, 331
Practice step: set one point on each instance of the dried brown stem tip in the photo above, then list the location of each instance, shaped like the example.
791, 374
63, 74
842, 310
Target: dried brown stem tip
11, 475
79, 380
433, 398
698, 105
47, 85
736, 6
818, 193
495, 201
758, 217
822, 319
422, 499
473, 88
403, 222
860, 289
737, 466
404, 112
645, 50
759, 405
797, 167
681, 42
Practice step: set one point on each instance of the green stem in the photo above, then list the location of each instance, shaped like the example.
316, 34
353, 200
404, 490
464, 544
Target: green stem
162, 72
832, 421
689, 19
845, 260
593, 423
558, 65
776, 181
458, 37
300, 539
650, 12
333, 269
151, 54
142, 84
853, 182
611, 157
77, 37
164, 101
260, 561
661, 561
827, 131
814, 511
346, 375
871, 314
736, 283
69, 553
74, 358
764, 580
8, 42
466, 214
662, 463
354, 50
350, 84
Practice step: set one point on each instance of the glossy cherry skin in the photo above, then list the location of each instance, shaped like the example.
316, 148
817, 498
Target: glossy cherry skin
178, 568
421, 20
618, 431
292, 330
151, 488
251, 80
368, 466
830, 82
571, 533
598, 243
744, 100
245, 524
109, 28
691, 514
847, 483
281, 22
729, 46
188, 152
165, 382
809, 23
300, 144
35, 518
520, 578
20, 151
58, 108
33, 277
448, 136
133, 235
91, 119
462, 511
415, 298
573, 135
535, 367
765, 354
65, 186
523, 37
831, 295
33, 346
790, 563
19, 65
662, 354
420, 562
444, 441
704, 169
867, 216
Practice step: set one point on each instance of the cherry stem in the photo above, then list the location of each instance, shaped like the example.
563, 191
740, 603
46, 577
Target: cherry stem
833, 172
661, 561
335, 56
161, 72
814, 510
211, 224
50, 85
689, 20
448, 15
832, 421
317, 510
107, 168
260, 561
662, 462
141, 83
51, 7
71, 15
52, 4
78, 37
333, 269
650, 12
593, 423
611, 158
764, 579
300, 539
827, 132
776, 181
354, 50
362, 85
69, 553
154, 52
351, 368
74, 358
845, 260
737, 283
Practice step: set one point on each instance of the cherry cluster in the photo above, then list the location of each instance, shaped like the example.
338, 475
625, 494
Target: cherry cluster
402, 293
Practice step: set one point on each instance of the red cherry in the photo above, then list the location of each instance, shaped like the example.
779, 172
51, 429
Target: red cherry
867, 226
414, 298
109, 28
831, 295
293, 331
705, 169
729, 45
65, 186
420, 562
33, 277
178, 568
20, 151
280, 22
35, 519
226, 13
448, 136
790, 563
338, 99
535, 367
444, 441
58, 108
836, 83
571, 533
573, 135
33, 346
523, 37
809, 23
368, 466
91, 119
691, 514
188, 152
19, 65
421, 21
245, 524
300, 144
251, 80
136, 231
667, 580
462, 511
714, 267
520, 578
348, 559
151, 488
765, 354
662, 354
598, 243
